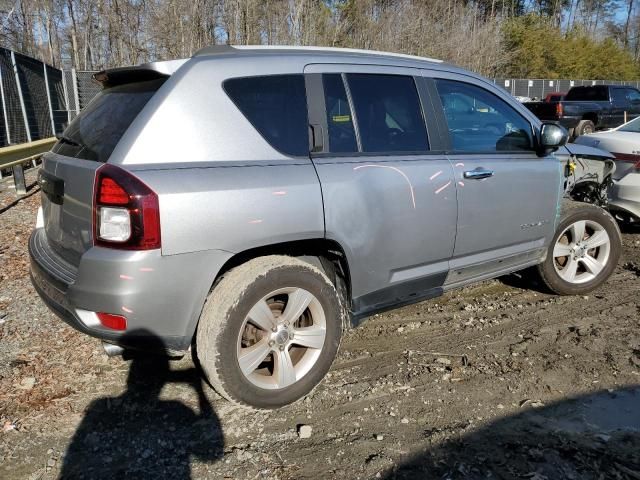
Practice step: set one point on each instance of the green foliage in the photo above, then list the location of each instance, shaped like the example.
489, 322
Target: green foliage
539, 49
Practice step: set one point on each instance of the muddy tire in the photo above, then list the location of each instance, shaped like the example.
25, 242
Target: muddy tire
584, 251
269, 331
584, 127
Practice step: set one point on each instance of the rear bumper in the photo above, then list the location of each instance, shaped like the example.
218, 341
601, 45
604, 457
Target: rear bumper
624, 194
161, 296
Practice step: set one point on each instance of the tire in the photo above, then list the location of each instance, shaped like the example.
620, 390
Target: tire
281, 366
581, 269
585, 127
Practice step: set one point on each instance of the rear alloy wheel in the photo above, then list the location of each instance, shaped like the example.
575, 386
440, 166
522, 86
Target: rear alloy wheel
584, 252
282, 338
269, 331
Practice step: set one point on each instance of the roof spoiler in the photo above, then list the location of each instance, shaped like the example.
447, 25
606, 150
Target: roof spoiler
139, 73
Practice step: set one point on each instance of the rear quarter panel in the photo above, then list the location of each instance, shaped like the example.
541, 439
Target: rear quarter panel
220, 184
236, 208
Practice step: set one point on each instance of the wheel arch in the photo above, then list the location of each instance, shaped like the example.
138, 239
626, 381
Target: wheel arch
320, 248
321, 252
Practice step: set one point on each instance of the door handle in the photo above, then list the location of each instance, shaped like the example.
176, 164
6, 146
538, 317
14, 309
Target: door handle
478, 174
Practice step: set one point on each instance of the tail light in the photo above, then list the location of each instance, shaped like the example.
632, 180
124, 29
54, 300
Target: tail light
126, 213
559, 110
629, 157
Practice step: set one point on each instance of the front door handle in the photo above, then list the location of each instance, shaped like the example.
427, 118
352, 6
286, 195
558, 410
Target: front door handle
478, 174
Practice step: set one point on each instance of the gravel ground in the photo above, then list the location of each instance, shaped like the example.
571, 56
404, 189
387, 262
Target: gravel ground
499, 380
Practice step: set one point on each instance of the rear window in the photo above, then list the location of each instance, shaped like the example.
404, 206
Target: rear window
96, 131
276, 105
591, 94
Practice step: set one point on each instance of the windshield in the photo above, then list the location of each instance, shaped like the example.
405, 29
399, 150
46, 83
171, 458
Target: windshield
94, 133
632, 126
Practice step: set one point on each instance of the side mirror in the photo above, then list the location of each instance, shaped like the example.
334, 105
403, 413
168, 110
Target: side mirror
552, 136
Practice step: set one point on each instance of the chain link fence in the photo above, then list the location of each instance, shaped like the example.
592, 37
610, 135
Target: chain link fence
14, 124
540, 88
38, 100
518, 87
33, 103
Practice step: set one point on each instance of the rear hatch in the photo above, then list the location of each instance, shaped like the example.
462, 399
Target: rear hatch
68, 173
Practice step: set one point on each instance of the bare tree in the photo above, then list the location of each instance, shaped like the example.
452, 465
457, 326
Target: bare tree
90, 34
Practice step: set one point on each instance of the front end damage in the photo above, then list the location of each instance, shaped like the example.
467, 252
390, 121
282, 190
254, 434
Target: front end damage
588, 173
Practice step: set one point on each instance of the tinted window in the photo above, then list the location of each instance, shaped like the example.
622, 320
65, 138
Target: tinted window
94, 133
479, 121
633, 95
388, 113
342, 137
592, 94
619, 95
276, 106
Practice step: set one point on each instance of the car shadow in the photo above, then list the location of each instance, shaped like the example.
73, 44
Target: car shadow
630, 228
138, 435
594, 436
526, 280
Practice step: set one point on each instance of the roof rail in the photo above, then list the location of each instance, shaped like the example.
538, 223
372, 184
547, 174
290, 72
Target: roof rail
231, 49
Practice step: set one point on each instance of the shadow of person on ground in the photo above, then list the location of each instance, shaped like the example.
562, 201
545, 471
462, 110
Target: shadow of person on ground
136, 435
595, 436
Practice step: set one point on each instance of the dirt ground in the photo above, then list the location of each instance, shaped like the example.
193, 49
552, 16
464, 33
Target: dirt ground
500, 380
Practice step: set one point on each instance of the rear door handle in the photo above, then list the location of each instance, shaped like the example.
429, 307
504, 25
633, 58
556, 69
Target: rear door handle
478, 174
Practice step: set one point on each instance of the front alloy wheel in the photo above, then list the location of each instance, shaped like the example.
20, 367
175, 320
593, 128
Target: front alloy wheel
581, 251
584, 251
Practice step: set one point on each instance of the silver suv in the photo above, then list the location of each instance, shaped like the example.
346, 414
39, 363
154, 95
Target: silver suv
254, 202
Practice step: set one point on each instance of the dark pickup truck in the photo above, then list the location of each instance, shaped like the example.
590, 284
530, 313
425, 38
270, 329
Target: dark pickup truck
585, 109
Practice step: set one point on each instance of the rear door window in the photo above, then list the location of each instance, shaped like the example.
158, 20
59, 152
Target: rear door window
342, 136
619, 96
96, 131
388, 113
480, 121
276, 106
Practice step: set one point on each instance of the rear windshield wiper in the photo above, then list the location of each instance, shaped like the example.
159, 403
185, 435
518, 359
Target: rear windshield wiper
65, 139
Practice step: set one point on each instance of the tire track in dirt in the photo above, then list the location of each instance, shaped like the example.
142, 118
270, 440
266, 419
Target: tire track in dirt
378, 405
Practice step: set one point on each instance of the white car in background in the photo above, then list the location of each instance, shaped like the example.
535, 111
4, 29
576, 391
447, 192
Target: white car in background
624, 143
